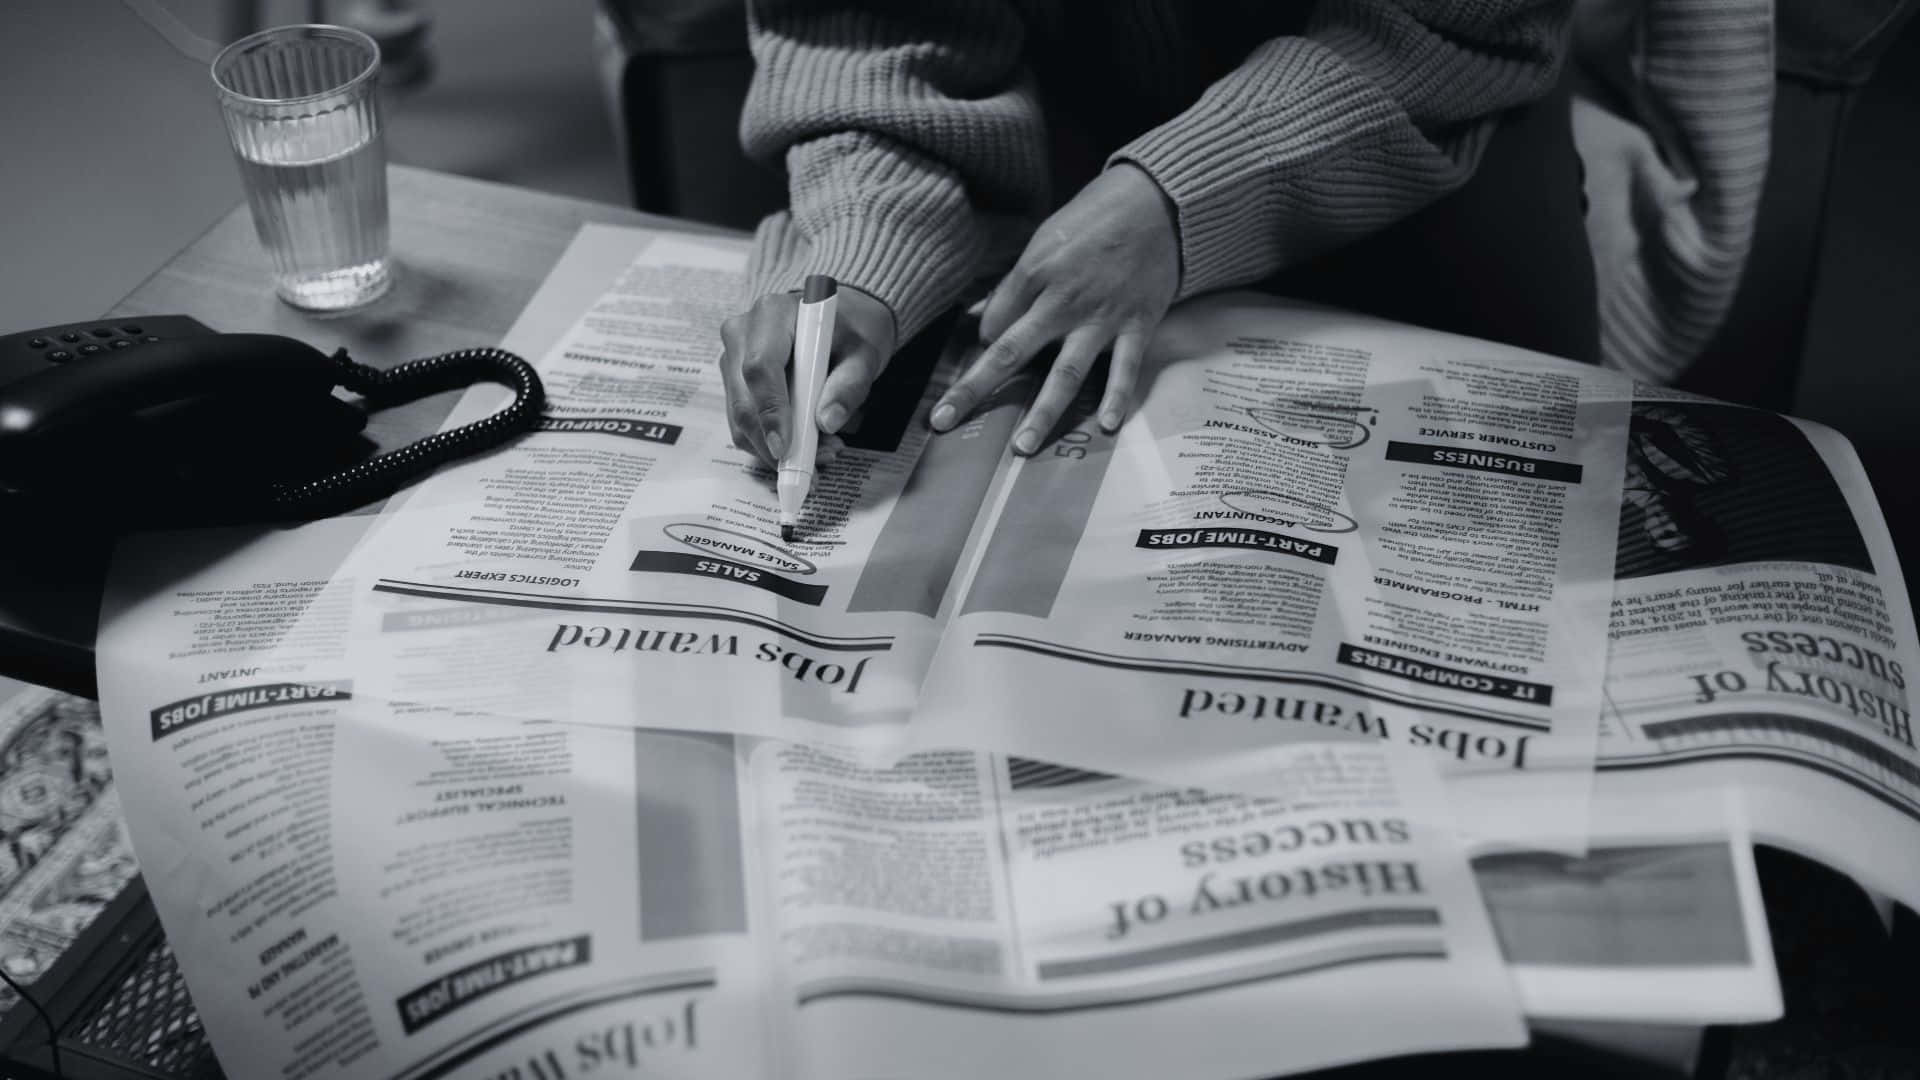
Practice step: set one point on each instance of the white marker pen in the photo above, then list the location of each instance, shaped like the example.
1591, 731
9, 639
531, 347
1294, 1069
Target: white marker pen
812, 349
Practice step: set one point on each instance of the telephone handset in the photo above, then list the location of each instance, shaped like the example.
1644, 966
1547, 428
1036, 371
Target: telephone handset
160, 420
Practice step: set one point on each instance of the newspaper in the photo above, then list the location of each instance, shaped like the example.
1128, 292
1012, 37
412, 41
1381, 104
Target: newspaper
1317, 525
934, 899
1759, 641
357, 887
1072, 763
1761, 635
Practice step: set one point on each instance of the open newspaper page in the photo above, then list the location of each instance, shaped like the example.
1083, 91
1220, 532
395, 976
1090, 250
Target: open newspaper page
359, 888
965, 914
1762, 635
623, 564
1316, 525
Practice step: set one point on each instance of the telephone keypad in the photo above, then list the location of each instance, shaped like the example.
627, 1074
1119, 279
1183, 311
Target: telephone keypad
29, 352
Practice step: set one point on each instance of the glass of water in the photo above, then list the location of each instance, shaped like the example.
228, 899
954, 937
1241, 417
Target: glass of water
302, 110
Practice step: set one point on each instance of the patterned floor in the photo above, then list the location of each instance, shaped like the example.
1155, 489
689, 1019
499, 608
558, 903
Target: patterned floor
64, 852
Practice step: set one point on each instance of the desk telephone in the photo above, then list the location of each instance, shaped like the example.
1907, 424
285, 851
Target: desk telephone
159, 420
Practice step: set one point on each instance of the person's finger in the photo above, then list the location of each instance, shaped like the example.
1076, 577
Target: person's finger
1123, 375
1012, 297
998, 362
739, 409
1069, 371
829, 451
763, 371
859, 363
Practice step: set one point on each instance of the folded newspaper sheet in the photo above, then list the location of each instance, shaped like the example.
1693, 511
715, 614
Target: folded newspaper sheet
400, 809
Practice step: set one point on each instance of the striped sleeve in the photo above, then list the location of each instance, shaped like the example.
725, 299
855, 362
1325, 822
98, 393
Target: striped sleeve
912, 138
1671, 240
1313, 141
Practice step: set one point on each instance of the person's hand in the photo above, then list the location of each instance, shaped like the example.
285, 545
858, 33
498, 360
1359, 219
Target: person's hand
1101, 271
757, 347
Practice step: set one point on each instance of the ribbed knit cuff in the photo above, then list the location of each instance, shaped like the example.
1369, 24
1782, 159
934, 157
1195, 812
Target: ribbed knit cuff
1230, 161
916, 271
1225, 239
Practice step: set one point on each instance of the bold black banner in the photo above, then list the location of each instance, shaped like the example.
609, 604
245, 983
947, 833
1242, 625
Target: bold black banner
644, 430
423, 1006
1467, 457
680, 562
177, 716
1420, 671
1251, 539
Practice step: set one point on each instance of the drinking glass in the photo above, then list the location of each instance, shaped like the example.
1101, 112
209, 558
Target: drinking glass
301, 108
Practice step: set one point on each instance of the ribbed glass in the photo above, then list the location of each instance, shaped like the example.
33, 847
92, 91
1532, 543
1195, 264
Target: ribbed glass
302, 111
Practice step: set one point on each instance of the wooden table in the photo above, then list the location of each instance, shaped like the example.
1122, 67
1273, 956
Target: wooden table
470, 256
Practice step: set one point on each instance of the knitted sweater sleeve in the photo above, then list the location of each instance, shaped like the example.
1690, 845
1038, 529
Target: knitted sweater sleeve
1378, 108
911, 135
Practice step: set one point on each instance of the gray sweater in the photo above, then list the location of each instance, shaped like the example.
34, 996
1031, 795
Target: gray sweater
917, 149
1673, 118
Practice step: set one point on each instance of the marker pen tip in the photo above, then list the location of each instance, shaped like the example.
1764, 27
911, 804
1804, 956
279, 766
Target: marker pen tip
786, 533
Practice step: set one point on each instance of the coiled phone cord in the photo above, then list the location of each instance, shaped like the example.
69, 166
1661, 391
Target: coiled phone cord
382, 475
